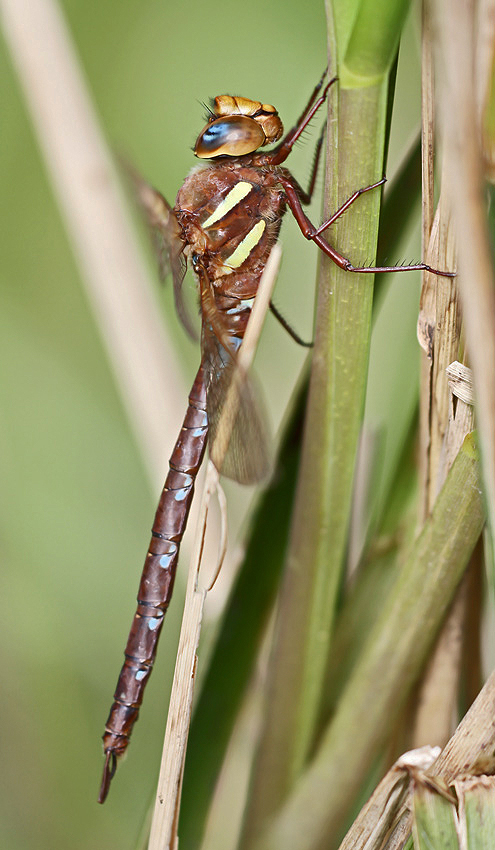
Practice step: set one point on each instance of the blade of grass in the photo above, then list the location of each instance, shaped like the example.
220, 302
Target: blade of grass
409, 621
388, 803
362, 605
433, 820
476, 797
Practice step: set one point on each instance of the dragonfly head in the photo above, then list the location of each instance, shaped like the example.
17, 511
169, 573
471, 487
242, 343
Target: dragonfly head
237, 126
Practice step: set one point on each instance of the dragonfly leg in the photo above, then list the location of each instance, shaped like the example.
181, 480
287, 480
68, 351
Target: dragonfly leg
311, 232
290, 330
306, 196
283, 150
345, 206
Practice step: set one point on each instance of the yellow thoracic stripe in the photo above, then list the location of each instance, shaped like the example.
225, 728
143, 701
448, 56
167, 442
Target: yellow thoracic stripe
245, 247
230, 201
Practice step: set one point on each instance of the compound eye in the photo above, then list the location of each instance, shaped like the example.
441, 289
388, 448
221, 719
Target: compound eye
234, 135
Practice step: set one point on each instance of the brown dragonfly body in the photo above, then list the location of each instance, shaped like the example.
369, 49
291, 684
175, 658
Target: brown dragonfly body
226, 219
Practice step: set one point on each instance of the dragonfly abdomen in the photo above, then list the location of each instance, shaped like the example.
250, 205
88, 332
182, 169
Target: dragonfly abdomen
157, 580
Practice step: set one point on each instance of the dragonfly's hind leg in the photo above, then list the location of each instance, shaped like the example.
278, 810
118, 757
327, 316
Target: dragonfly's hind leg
288, 327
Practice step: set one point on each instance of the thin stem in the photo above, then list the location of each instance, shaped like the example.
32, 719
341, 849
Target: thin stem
355, 140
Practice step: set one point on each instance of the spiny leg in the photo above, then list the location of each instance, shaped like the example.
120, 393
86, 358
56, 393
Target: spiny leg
306, 196
345, 206
283, 150
311, 232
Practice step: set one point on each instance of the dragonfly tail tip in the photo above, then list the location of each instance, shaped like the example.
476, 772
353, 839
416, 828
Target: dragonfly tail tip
109, 769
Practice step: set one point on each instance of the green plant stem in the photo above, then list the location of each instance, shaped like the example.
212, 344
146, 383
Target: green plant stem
379, 685
336, 400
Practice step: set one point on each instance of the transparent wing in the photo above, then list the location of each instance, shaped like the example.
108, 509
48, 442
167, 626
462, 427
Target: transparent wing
167, 241
239, 442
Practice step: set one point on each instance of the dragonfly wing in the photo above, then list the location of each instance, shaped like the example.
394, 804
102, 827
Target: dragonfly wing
239, 442
167, 241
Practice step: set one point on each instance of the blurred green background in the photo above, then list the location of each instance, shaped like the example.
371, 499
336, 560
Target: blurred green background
76, 506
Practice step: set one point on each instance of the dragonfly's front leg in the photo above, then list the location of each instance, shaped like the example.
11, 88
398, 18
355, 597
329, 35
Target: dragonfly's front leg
311, 232
307, 196
283, 150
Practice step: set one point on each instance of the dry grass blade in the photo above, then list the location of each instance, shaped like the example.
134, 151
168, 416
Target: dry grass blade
461, 412
461, 382
458, 87
165, 819
472, 746
387, 803
94, 212
485, 77
439, 328
435, 713
427, 127
426, 315
439, 336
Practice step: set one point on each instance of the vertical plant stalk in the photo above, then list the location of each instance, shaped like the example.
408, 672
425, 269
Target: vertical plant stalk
439, 318
471, 749
458, 87
94, 213
439, 694
485, 79
426, 317
439, 326
318, 540
427, 128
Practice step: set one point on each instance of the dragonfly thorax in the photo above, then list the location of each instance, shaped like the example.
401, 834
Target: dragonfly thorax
230, 217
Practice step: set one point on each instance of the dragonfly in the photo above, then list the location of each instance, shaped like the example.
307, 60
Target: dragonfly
226, 218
